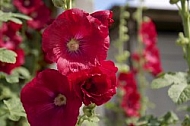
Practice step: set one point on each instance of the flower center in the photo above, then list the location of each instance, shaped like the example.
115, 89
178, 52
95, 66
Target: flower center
60, 100
73, 45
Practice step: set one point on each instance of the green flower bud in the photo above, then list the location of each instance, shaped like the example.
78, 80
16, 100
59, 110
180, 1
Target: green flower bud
89, 110
58, 3
173, 1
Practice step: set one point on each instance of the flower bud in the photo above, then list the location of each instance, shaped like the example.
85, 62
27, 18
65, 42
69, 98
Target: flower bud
58, 3
173, 1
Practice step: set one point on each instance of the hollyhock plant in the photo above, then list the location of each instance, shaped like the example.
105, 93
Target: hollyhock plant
27, 6
50, 101
40, 17
148, 32
8, 67
96, 85
76, 40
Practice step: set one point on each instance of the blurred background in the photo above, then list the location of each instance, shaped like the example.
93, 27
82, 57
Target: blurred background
168, 25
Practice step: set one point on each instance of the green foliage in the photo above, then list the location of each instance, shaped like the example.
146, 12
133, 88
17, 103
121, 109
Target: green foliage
186, 121
16, 75
15, 17
14, 109
179, 91
7, 56
166, 120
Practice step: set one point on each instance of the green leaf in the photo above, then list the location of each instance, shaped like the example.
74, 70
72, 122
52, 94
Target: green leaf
15, 17
169, 118
13, 78
22, 16
169, 79
179, 93
14, 108
186, 121
22, 72
7, 56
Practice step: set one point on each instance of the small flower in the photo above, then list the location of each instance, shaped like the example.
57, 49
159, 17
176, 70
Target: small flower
49, 101
75, 41
148, 32
40, 17
96, 85
27, 6
8, 67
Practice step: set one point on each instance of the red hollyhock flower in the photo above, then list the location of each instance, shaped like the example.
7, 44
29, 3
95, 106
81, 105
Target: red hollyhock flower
127, 79
49, 101
152, 57
96, 85
9, 37
8, 67
131, 103
75, 41
27, 6
131, 99
40, 17
148, 33
104, 16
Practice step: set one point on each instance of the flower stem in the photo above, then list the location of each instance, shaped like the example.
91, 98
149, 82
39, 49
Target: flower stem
81, 120
184, 12
141, 75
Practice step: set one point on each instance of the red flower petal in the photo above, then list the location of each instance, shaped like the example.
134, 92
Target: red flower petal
104, 16
38, 100
90, 41
96, 85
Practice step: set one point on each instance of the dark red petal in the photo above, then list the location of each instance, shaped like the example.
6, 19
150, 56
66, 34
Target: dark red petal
38, 96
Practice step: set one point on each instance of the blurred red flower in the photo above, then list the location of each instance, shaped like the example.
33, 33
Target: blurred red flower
153, 62
9, 36
75, 41
131, 98
96, 85
27, 6
40, 17
49, 101
148, 32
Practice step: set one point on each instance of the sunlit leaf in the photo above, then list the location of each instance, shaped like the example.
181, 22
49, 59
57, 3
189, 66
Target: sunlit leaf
169, 79
179, 93
14, 108
7, 56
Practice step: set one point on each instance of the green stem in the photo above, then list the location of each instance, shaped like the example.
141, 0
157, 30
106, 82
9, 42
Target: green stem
141, 75
186, 26
81, 120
